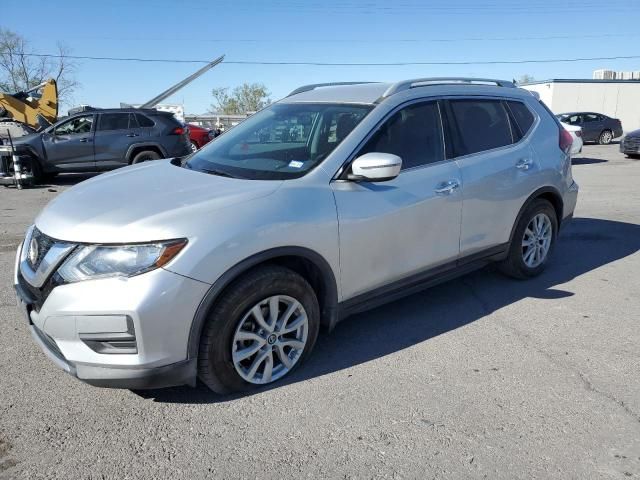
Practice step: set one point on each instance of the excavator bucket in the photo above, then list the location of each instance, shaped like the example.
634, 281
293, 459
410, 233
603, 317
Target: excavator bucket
37, 107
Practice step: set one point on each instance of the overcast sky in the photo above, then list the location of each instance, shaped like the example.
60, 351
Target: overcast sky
348, 31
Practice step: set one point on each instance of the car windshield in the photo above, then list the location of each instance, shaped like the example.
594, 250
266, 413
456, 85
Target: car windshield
280, 142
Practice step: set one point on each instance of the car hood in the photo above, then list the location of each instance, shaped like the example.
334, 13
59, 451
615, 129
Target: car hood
151, 201
635, 133
27, 139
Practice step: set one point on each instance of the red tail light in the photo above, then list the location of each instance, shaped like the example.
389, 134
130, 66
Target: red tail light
566, 140
178, 131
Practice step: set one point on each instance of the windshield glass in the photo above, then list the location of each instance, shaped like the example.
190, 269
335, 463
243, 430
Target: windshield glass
280, 142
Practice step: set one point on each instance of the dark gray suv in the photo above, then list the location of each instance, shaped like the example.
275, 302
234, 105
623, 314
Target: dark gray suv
103, 140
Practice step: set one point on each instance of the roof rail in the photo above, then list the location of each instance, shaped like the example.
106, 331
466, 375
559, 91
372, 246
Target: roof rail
422, 82
313, 86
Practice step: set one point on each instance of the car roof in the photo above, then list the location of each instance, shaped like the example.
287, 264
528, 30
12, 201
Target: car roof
374, 92
148, 111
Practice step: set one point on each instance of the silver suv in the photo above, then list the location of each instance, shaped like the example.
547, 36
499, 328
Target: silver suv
223, 266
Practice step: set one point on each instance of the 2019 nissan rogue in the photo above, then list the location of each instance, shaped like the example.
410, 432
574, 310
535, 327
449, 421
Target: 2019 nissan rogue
224, 265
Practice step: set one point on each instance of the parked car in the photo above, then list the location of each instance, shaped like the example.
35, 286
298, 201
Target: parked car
224, 265
630, 144
576, 135
103, 140
199, 136
596, 127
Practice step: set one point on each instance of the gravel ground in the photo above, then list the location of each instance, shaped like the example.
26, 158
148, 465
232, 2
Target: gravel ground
482, 377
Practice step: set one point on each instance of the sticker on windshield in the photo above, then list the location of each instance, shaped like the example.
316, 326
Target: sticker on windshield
296, 164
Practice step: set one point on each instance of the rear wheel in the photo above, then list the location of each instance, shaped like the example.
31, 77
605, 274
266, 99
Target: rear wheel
533, 241
194, 146
145, 156
259, 331
605, 137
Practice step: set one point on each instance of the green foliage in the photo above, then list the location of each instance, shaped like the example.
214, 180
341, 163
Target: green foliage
243, 99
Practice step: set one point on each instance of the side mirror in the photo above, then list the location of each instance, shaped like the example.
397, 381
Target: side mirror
375, 167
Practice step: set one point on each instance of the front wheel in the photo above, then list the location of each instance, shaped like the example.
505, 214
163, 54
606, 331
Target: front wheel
533, 241
605, 137
259, 331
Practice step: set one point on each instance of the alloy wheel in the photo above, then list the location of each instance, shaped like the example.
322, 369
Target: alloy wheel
536, 240
606, 137
270, 339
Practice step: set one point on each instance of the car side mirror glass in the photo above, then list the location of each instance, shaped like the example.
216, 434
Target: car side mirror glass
375, 167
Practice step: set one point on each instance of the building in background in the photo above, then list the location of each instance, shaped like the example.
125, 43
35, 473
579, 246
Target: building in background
613, 75
615, 98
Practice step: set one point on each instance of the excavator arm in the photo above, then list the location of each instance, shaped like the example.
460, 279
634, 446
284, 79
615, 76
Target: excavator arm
29, 109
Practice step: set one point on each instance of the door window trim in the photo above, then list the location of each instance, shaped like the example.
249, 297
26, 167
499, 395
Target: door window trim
341, 173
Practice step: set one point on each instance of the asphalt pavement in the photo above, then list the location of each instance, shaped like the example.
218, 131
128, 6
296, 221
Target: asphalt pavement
482, 377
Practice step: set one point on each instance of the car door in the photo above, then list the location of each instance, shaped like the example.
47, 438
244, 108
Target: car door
393, 230
498, 169
592, 125
115, 133
69, 145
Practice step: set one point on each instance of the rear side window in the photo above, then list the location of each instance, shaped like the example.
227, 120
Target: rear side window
413, 133
144, 121
590, 117
522, 115
482, 125
114, 121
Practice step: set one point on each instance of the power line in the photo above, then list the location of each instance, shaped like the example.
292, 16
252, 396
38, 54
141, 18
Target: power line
334, 64
376, 40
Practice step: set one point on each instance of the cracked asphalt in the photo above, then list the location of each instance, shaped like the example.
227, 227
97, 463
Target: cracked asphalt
482, 377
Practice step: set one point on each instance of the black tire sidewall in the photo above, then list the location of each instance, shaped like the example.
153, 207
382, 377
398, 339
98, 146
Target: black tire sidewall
215, 366
515, 252
145, 156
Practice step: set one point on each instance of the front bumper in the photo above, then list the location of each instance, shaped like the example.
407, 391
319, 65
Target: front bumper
155, 308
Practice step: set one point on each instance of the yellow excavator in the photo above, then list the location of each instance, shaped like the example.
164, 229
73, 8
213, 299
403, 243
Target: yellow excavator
24, 112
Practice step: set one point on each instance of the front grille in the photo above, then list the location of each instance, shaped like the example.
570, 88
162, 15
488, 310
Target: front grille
631, 144
39, 295
44, 243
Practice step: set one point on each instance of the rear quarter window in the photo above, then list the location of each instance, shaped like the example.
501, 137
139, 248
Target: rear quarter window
144, 121
522, 115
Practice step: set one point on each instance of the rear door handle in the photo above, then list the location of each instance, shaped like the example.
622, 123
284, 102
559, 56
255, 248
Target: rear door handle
133, 134
447, 188
524, 164
85, 140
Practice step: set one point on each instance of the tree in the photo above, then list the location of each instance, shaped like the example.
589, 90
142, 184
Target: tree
20, 70
243, 99
526, 78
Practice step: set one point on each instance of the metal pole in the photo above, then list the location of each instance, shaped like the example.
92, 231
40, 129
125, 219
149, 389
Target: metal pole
17, 173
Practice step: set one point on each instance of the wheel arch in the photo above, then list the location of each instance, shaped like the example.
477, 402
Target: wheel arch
136, 148
308, 263
552, 195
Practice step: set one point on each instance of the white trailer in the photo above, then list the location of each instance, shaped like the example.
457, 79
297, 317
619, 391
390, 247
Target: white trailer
614, 98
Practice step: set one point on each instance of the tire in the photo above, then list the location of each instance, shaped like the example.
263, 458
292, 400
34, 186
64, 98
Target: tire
633, 155
193, 146
232, 314
515, 265
37, 171
145, 156
605, 137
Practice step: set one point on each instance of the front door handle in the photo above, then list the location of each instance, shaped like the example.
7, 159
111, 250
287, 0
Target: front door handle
85, 140
524, 164
133, 134
447, 188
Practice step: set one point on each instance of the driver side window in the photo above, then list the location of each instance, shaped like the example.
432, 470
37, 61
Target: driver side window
74, 126
413, 133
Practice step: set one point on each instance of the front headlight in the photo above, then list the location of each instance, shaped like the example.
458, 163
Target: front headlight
100, 261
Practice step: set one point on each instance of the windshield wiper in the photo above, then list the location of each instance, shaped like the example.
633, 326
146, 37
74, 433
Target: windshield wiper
220, 173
